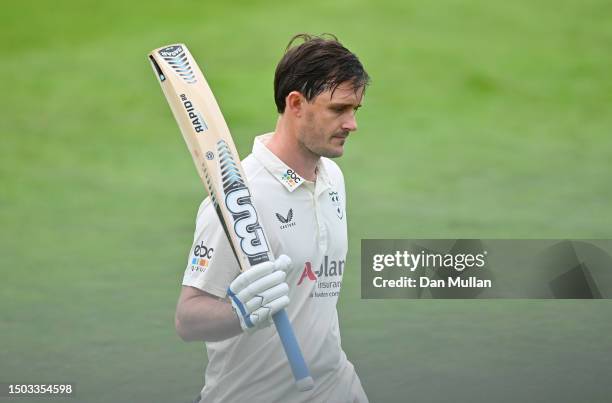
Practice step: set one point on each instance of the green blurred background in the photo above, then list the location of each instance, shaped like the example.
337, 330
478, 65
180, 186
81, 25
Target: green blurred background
484, 119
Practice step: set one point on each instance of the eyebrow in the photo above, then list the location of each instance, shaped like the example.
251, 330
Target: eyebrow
344, 105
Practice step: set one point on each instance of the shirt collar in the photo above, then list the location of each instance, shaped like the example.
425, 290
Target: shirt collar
281, 171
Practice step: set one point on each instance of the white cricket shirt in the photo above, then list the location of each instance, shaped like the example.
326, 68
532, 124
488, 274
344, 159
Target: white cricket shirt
307, 222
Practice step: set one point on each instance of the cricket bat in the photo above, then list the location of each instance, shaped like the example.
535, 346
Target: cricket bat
216, 159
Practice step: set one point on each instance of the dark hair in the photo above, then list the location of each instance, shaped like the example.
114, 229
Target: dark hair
316, 65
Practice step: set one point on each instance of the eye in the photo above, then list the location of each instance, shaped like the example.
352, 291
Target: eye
340, 109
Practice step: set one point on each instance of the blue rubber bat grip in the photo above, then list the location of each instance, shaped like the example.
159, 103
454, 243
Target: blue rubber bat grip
299, 368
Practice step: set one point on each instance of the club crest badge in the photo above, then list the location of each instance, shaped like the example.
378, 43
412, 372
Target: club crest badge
335, 199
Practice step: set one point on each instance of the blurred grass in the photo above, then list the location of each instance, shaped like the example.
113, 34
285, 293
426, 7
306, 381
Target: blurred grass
483, 120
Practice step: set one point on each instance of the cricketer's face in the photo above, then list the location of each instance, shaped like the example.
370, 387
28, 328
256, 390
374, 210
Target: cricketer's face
328, 120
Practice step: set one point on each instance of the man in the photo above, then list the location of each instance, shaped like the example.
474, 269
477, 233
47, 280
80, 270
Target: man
300, 197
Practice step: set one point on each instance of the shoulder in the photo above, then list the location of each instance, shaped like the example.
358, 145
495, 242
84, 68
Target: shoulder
252, 167
205, 215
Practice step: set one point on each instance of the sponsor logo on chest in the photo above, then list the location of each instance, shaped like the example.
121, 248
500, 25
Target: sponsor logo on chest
286, 221
327, 279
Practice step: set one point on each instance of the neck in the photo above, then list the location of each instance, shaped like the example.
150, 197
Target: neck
286, 146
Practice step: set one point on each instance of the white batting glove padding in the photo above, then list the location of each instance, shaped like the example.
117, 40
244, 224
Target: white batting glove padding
260, 292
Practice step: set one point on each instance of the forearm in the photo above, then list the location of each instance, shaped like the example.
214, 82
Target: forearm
256, 294
206, 318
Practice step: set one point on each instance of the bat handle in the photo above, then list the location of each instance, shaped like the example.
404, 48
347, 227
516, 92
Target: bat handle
303, 380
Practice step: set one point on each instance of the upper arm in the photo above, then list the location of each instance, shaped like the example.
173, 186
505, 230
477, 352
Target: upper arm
189, 294
203, 316
191, 300
211, 265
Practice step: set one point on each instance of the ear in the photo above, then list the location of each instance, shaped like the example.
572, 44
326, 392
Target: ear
294, 103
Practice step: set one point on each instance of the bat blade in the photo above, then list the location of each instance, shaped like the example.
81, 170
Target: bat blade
213, 151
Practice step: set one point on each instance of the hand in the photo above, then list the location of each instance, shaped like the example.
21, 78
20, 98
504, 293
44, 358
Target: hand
260, 292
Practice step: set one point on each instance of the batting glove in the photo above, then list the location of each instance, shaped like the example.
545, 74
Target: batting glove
260, 292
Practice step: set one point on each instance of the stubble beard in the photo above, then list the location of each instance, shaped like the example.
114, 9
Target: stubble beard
311, 138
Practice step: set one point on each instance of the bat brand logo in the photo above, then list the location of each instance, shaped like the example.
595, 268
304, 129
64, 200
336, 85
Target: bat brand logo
197, 121
177, 59
286, 222
171, 51
246, 225
239, 203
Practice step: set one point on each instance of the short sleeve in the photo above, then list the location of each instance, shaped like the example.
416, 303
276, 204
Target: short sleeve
211, 265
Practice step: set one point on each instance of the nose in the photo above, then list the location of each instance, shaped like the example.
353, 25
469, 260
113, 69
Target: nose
350, 124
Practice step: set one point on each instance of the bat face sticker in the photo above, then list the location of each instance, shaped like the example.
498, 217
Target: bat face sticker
238, 201
246, 226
